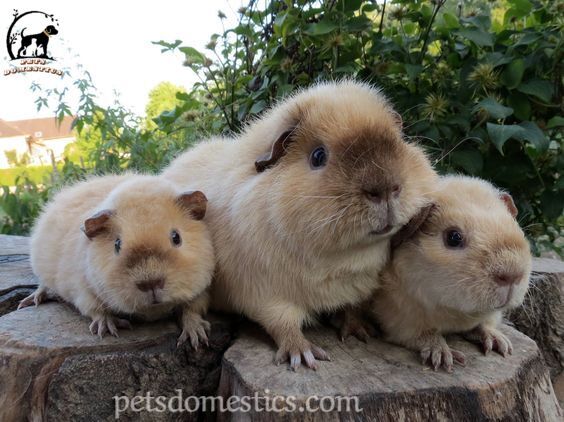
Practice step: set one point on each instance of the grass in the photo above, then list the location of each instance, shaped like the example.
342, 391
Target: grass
35, 173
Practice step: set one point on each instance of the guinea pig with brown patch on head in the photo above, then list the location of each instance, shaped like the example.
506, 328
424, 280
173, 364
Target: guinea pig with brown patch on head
466, 264
302, 207
126, 245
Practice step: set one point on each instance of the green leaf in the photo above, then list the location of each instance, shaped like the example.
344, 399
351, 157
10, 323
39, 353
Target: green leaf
499, 134
556, 121
257, 107
552, 204
451, 21
469, 159
513, 73
519, 8
520, 105
358, 23
413, 70
538, 88
477, 36
493, 108
193, 54
321, 28
167, 45
531, 132
528, 39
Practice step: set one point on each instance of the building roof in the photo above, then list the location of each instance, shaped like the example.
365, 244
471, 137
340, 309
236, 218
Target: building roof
7, 131
44, 128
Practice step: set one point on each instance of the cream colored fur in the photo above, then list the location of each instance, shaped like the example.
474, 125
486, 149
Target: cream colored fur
294, 241
89, 274
429, 290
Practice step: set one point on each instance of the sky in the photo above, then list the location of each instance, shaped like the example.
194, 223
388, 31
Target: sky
112, 41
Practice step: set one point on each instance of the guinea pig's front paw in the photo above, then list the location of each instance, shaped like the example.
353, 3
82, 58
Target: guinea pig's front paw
354, 325
103, 323
196, 328
294, 350
491, 339
438, 354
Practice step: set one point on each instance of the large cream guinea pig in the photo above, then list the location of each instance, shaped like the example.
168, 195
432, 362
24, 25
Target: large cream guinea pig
468, 262
143, 250
302, 206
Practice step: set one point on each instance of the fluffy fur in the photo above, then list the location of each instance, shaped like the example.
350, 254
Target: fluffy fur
454, 290
101, 283
293, 241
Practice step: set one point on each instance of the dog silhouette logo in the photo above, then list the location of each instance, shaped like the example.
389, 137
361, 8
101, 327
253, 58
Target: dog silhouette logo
30, 35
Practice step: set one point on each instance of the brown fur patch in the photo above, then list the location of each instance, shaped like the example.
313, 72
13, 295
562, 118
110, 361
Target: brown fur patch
138, 254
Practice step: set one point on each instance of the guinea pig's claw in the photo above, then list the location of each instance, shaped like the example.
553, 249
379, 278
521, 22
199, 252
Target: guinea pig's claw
442, 356
198, 332
107, 324
309, 355
36, 298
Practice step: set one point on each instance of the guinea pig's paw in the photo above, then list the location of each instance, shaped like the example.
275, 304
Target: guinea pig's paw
36, 298
103, 323
196, 328
438, 354
295, 350
492, 339
358, 327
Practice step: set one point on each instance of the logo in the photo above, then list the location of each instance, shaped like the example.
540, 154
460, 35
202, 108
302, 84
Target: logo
30, 41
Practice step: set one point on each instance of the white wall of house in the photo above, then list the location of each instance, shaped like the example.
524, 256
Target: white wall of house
16, 143
40, 152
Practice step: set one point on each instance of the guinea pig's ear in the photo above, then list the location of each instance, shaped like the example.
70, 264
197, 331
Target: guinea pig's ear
508, 201
195, 202
411, 228
97, 224
278, 151
397, 119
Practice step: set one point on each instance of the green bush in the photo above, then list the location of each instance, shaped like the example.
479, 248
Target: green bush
478, 83
35, 174
484, 97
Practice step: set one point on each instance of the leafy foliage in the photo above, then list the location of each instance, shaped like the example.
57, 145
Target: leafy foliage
478, 83
483, 95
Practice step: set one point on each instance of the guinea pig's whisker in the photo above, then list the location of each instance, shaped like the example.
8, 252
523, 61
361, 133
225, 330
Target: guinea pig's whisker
446, 154
328, 220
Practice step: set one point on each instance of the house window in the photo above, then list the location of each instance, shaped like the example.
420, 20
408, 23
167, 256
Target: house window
38, 134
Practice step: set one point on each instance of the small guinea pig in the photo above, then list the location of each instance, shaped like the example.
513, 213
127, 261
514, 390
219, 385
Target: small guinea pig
467, 263
125, 245
303, 205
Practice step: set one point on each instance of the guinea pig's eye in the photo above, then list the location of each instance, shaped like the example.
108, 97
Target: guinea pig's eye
453, 238
117, 245
318, 157
175, 238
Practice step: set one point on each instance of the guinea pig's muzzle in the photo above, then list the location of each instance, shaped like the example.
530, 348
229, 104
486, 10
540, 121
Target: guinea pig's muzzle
153, 287
506, 286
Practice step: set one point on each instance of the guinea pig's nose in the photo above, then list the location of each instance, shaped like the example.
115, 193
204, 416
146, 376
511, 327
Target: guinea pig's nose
504, 279
145, 286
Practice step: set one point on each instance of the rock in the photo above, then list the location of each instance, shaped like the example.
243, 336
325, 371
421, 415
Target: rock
559, 389
542, 315
16, 278
53, 368
390, 383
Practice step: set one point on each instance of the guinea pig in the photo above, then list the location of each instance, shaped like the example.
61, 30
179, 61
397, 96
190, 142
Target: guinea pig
302, 207
125, 245
466, 264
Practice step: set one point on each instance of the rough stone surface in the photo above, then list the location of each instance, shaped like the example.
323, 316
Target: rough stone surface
391, 383
16, 278
52, 367
542, 315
